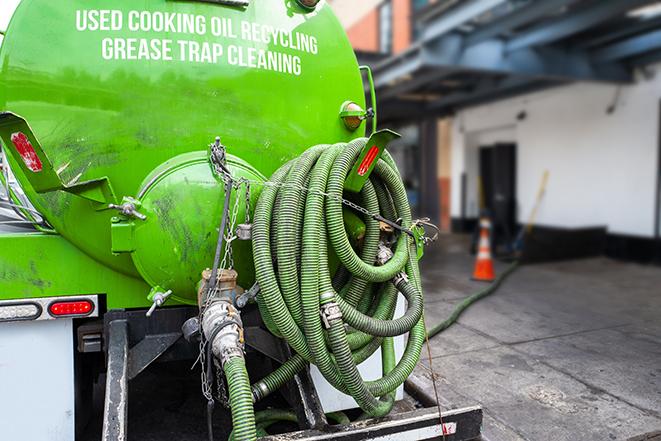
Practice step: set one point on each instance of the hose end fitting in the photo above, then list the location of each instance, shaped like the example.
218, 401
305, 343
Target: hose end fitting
223, 329
399, 279
259, 391
330, 312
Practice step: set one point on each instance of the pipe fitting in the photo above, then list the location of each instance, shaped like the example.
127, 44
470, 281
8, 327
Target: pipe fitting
223, 329
400, 278
259, 391
330, 312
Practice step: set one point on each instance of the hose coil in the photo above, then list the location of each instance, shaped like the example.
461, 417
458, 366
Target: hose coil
296, 235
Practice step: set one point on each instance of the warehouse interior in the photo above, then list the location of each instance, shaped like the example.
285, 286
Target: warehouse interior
546, 116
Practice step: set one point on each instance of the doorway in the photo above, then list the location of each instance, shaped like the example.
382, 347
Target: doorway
497, 192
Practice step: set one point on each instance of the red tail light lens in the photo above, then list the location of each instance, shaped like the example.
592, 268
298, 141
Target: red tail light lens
72, 308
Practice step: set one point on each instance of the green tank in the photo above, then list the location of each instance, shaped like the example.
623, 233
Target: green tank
130, 96
147, 136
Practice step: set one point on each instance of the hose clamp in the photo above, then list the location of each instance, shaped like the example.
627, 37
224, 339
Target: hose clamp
259, 391
329, 313
400, 278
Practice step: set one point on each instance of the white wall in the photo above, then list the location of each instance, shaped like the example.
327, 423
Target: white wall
602, 167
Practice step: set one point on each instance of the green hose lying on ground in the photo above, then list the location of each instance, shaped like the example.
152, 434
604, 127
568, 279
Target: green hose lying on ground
468, 301
294, 232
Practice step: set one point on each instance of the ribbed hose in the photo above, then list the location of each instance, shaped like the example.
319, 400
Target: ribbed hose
294, 231
241, 403
468, 301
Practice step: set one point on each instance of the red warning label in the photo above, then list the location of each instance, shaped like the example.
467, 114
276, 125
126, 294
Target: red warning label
25, 149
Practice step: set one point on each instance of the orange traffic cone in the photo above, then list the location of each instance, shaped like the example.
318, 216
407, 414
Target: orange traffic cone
484, 264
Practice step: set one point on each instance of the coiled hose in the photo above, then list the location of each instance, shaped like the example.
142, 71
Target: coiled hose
298, 223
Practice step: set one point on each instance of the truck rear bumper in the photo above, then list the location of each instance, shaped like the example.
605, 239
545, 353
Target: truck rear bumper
424, 424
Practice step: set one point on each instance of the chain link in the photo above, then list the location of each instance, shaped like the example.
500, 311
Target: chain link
221, 390
247, 213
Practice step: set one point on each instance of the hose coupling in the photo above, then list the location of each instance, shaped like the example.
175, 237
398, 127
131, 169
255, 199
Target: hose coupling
400, 278
223, 329
383, 255
330, 312
259, 391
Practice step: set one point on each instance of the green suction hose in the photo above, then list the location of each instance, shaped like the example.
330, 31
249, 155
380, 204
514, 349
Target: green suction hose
461, 307
300, 300
243, 414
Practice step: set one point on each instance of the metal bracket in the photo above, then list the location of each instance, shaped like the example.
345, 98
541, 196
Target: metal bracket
152, 340
148, 350
37, 168
115, 409
264, 342
367, 159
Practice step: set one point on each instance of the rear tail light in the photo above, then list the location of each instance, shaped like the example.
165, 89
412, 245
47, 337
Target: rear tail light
19, 311
71, 308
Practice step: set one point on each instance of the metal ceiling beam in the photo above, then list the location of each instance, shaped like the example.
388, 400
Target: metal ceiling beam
575, 22
488, 92
629, 48
647, 59
628, 29
541, 63
457, 16
415, 83
395, 110
522, 16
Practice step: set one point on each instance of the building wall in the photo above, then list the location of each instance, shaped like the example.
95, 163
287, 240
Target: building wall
603, 167
351, 11
401, 25
364, 34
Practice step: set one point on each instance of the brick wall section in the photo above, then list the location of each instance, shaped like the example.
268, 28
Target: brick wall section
364, 35
401, 25
444, 171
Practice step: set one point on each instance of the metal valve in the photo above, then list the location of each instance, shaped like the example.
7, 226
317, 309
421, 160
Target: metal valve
159, 299
129, 208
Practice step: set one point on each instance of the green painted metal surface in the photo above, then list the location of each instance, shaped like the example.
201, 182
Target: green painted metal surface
183, 203
116, 94
46, 265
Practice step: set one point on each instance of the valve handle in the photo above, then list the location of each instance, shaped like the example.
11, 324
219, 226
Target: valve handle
159, 299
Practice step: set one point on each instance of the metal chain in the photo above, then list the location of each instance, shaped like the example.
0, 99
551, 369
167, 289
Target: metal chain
419, 222
206, 387
221, 390
247, 213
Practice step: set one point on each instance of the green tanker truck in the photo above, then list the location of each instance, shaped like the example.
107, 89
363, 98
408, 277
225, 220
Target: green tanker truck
190, 179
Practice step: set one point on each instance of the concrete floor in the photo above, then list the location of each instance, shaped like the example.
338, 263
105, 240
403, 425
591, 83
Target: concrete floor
566, 351
563, 351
